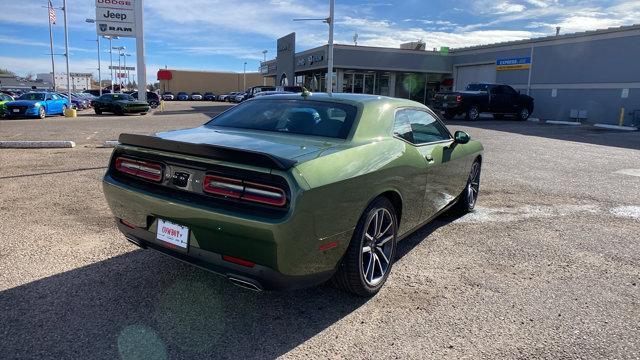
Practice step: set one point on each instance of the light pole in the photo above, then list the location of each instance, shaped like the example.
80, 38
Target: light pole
125, 66
329, 20
120, 50
244, 76
111, 58
92, 21
264, 79
66, 50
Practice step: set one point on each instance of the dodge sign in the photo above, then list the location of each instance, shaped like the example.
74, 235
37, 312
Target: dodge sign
116, 18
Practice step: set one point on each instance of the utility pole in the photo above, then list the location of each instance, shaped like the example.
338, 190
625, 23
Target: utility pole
140, 57
66, 49
125, 66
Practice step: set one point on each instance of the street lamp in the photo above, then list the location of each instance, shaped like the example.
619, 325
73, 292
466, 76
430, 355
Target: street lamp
111, 58
93, 21
120, 50
244, 76
264, 79
330, 21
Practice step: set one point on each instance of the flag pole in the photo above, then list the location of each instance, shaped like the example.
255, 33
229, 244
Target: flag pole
53, 63
66, 50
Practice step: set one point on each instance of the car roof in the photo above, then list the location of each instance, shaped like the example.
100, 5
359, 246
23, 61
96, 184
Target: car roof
354, 99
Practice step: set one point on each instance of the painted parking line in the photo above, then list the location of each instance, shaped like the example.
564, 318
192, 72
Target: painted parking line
630, 172
36, 144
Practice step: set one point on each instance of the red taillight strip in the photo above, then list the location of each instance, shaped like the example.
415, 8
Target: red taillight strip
144, 169
238, 261
249, 191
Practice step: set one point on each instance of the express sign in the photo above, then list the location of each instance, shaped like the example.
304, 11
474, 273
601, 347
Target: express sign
115, 18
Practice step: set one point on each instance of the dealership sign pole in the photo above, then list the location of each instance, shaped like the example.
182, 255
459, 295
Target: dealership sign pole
332, 4
124, 18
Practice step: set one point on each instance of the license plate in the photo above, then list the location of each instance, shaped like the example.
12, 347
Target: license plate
16, 110
173, 234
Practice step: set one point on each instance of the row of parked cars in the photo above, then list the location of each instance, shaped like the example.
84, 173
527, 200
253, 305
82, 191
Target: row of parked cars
232, 97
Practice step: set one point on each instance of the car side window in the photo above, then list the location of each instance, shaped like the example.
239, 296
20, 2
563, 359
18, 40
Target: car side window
48, 97
419, 127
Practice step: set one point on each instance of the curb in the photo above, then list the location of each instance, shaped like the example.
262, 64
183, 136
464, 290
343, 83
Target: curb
572, 123
110, 143
532, 119
36, 144
616, 127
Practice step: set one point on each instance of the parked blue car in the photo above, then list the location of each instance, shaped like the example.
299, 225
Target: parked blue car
183, 96
37, 104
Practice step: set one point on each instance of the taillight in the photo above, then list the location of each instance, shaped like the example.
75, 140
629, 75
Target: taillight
245, 190
143, 169
459, 98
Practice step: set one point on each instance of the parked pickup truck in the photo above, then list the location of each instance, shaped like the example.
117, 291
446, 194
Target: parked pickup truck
497, 99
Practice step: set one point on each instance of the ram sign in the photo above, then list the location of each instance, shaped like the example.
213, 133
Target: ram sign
116, 18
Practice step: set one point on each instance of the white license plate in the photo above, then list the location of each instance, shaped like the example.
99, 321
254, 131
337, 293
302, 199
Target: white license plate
173, 234
16, 110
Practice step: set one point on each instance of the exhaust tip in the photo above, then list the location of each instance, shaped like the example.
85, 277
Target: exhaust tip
245, 284
136, 242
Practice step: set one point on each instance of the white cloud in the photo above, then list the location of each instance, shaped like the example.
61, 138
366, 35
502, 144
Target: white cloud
506, 7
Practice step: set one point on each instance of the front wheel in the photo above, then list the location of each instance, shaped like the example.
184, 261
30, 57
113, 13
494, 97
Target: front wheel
473, 113
524, 114
42, 113
371, 253
154, 104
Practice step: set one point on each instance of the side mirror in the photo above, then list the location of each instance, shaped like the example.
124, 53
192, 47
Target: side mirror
461, 137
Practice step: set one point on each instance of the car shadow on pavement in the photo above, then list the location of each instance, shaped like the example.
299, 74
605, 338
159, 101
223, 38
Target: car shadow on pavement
583, 134
145, 305
209, 110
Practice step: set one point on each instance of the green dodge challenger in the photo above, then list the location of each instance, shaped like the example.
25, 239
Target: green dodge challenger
290, 191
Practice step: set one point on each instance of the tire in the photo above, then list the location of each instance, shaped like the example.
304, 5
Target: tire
64, 110
364, 269
143, 113
98, 111
473, 113
523, 114
469, 198
449, 115
119, 112
153, 104
42, 113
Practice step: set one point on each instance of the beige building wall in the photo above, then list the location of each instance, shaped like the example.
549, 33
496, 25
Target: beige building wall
205, 81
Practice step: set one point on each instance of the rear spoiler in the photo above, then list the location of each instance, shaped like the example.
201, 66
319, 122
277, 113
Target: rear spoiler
216, 152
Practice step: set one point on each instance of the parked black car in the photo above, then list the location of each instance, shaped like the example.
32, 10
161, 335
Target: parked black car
496, 99
153, 99
209, 96
119, 104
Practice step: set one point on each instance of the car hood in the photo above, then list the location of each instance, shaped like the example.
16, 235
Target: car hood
23, 102
287, 146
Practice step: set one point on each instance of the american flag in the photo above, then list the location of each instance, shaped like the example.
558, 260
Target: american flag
52, 13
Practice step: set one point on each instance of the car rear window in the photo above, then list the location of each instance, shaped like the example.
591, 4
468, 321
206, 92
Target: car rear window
303, 117
32, 96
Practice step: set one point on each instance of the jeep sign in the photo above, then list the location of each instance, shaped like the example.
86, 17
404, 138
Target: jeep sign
115, 18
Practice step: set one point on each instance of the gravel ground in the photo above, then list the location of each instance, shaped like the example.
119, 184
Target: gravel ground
547, 267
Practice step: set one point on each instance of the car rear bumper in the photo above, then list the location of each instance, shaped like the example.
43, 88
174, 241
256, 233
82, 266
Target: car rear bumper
285, 252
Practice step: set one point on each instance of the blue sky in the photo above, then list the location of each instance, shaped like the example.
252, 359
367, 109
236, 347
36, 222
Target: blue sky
222, 35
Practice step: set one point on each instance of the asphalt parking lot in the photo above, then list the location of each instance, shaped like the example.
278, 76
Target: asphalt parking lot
548, 266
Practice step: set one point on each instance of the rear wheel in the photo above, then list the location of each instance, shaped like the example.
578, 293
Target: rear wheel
370, 256
64, 110
98, 111
153, 104
473, 113
469, 197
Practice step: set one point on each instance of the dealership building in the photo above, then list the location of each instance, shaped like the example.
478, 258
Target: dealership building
593, 77
217, 82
